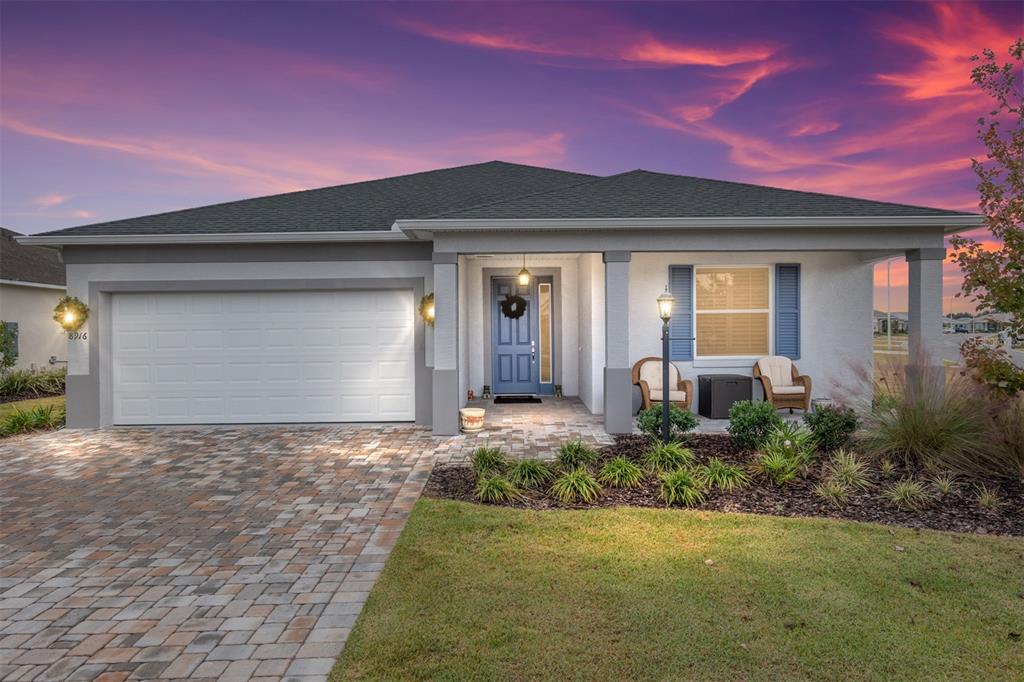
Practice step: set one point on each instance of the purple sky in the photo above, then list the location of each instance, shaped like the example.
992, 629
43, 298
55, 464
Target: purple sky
111, 110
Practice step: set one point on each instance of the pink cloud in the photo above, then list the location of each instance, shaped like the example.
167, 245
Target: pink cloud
810, 128
728, 85
49, 200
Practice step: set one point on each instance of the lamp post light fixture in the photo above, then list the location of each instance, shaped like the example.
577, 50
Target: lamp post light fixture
665, 303
524, 274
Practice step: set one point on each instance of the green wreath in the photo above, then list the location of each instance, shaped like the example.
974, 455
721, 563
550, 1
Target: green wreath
427, 309
513, 307
70, 313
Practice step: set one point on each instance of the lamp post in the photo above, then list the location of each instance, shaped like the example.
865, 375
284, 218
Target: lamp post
665, 302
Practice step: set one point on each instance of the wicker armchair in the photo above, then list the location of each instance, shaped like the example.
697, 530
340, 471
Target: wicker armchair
647, 375
783, 384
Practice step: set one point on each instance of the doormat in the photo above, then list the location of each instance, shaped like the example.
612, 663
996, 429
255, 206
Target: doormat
509, 399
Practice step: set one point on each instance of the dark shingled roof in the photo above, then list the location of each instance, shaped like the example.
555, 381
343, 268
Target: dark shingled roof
498, 190
370, 205
643, 194
28, 263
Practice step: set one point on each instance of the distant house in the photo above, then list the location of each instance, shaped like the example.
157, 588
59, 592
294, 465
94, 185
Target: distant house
899, 322
31, 283
989, 323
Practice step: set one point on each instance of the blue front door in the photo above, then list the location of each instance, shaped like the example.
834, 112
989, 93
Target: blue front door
513, 342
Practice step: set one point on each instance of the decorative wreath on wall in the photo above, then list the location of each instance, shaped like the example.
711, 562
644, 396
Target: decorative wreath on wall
70, 313
427, 308
513, 306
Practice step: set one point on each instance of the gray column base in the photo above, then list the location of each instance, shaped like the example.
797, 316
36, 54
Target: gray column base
618, 400
82, 398
446, 402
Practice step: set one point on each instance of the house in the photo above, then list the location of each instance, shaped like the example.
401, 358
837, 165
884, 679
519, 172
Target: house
881, 322
304, 307
31, 284
989, 323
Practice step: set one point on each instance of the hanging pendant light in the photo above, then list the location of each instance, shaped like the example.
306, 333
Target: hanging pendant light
524, 274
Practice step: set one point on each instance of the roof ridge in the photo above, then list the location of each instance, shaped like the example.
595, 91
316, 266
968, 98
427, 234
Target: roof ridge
798, 191
590, 180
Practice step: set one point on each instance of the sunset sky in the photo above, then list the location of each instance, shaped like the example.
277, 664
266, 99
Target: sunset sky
112, 110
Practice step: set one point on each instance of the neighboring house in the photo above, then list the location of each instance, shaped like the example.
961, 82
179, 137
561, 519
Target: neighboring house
302, 307
989, 323
899, 322
31, 284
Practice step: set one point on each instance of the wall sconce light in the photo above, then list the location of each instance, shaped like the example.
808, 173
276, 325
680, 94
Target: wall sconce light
427, 309
70, 313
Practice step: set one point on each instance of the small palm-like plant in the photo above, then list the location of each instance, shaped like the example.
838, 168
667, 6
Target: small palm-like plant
38, 418
530, 473
621, 473
989, 498
486, 460
908, 494
847, 469
792, 440
667, 457
681, 487
943, 483
779, 466
575, 485
575, 453
496, 489
718, 474
832, 491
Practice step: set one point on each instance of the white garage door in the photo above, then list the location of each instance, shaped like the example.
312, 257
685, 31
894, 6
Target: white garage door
251, 357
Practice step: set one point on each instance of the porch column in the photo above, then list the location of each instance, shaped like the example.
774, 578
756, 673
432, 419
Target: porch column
618, 385
924, 300
446, 334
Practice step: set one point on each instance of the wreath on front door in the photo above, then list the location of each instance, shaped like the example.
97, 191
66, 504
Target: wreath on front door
513, 306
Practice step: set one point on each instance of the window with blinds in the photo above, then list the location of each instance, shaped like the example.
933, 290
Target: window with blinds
732, 306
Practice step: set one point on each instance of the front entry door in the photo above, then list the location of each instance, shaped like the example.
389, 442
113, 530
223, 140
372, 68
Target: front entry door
513, 342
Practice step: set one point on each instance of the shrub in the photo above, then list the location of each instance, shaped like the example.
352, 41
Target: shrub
530, 473
908, 494
8, 356
992, 367
621, 473
575, 485
847, 469
943, 483
681, 487
929, 425
1006, 458
778, 466
680, 421
667, 456
832, 491
39, 418
28, 382
575, 453
489, 460
988, 498
496, 489
794, 441
718, 474
750, 422
832, 426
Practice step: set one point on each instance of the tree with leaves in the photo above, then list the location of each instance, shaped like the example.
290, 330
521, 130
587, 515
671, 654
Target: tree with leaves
995, 278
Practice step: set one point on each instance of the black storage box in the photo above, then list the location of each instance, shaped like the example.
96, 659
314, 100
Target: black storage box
717, 392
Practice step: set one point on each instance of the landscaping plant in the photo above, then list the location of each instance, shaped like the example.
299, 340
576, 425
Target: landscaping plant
575, 485
847, 469
489, 460
39, 418
496, 489
667, 456
8, 356
778, 466
681, 487
832, 491
750, 422
680, 421
621, 473
32, 383
575, 453
908, 494
943, 483
988, 498
725, 477
794, 441
832, 426
530, 473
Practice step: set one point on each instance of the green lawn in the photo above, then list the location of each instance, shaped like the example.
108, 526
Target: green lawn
475, 592
7, 408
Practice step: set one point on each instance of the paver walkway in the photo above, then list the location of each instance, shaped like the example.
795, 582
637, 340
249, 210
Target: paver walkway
217, 553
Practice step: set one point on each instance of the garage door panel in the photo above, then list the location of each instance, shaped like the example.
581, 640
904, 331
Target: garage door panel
263, 357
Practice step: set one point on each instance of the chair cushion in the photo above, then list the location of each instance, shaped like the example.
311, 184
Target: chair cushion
673, 396
787, 390
651, 373
779, 369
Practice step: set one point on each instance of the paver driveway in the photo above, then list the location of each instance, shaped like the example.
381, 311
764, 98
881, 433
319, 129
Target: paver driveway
231, 553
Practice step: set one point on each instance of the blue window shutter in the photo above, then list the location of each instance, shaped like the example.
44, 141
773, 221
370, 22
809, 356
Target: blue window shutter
787, 310
680, 283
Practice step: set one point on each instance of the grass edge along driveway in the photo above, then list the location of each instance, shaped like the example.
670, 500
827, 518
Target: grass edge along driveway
477, 592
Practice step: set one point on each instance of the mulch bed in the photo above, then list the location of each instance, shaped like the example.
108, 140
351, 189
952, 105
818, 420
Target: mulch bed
27, 395
957, 511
